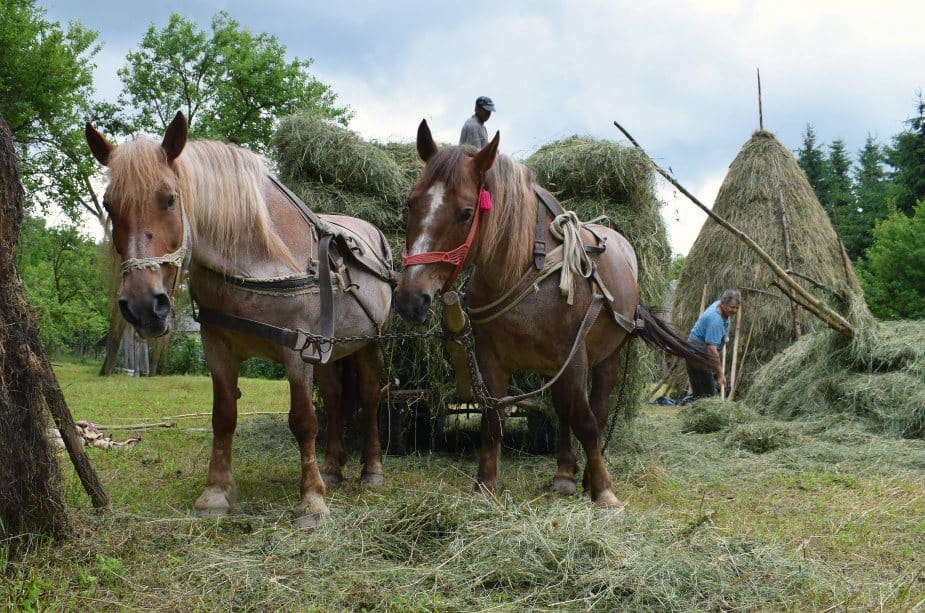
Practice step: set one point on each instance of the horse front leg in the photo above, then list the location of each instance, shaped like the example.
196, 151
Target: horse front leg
221, 492
496, 380
303, 422
369, 364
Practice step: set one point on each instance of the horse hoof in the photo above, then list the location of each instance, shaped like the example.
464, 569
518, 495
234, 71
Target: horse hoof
563, 486
608, 503
214, 502
309, 521
373, 480
331, 480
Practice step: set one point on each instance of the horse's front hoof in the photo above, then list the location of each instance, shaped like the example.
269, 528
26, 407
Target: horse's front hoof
373, 480
215, 502
331, 480
563, 486
309, 521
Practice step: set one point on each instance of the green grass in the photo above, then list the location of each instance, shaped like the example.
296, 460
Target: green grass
834, 518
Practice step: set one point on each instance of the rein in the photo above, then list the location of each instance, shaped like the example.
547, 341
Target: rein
457, 256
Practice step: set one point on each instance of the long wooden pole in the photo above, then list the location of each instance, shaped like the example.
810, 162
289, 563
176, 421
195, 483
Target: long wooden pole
735, 354
810, 302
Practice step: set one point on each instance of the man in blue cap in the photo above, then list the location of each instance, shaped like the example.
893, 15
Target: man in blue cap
473, 131
710, 332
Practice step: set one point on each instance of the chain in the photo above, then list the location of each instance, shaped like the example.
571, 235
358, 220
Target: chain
620, 396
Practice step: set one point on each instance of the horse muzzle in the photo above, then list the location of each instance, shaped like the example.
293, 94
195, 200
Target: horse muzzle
149, 314
413, 306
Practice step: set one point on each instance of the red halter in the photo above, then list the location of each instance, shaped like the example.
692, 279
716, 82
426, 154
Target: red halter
457, 256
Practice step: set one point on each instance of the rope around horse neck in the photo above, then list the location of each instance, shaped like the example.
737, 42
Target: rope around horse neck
567, 228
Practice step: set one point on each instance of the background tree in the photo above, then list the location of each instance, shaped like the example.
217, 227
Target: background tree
842, 207
812, 160
46, 95
63, 279
870, 191
231, 84
907, 156
893, 273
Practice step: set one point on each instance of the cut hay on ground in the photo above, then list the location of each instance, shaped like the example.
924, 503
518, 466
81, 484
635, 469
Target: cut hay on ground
876, 381
762, 176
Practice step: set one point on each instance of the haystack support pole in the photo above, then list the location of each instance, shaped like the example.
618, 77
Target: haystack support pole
812, 304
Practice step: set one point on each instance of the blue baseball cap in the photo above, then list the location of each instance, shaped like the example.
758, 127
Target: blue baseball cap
485, 103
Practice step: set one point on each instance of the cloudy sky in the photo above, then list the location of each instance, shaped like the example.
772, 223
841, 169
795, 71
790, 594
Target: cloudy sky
679, 75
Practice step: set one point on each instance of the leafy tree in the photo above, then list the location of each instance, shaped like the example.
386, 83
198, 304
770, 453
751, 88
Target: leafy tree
907, 156
62, 278
231, 84
46, 89
893, 274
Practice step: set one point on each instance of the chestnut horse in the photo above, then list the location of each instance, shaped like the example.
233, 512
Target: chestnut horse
542, 330
247, 246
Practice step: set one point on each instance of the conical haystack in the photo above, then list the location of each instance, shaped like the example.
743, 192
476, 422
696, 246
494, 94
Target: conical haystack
767, 196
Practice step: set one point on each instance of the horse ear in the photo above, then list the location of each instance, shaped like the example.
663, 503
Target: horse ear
426, 145
485, 158
99, 146
175, 137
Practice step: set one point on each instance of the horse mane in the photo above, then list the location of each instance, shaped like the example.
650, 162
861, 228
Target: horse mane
512, 220
221, 189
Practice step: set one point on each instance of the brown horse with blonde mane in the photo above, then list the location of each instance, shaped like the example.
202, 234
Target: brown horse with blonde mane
532, 326
252, 257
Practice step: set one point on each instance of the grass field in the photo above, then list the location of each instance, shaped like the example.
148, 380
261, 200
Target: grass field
833, 520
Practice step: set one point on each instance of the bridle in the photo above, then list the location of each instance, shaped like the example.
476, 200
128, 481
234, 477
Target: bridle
179, 258
457, 256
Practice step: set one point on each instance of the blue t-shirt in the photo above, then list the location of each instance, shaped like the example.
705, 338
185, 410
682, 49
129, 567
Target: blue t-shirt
710, 328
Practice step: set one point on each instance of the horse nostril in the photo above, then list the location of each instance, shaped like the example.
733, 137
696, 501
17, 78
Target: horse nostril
426, 299
127, 312
161, 305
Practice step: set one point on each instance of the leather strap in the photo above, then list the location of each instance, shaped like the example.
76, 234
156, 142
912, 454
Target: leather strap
327, 300
555, 209
274, 334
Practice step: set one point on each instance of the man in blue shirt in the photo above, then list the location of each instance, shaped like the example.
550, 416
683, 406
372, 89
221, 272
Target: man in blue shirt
711, 331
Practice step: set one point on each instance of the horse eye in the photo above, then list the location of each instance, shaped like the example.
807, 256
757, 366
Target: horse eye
465, 216
171, 200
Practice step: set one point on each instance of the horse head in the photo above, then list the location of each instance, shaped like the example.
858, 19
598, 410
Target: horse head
443, 211
149, 227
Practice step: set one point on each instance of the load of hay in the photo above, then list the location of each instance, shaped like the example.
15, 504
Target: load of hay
876, 380
767, 196
335, 170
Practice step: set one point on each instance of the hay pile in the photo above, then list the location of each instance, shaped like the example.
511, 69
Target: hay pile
763, 179
875, 380
334, 170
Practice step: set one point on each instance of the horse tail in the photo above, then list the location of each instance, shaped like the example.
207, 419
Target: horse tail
658, 333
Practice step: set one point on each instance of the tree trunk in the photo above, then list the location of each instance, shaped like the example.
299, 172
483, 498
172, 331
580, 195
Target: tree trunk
30, 479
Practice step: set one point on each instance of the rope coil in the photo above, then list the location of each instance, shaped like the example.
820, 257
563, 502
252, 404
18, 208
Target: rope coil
567, 228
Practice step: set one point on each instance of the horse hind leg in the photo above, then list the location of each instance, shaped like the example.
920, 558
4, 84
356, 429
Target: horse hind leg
563, 481
368, 365
604, 377
585, 426
331, 385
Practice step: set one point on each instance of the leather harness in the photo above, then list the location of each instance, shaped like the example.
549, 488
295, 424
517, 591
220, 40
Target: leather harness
346, 244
